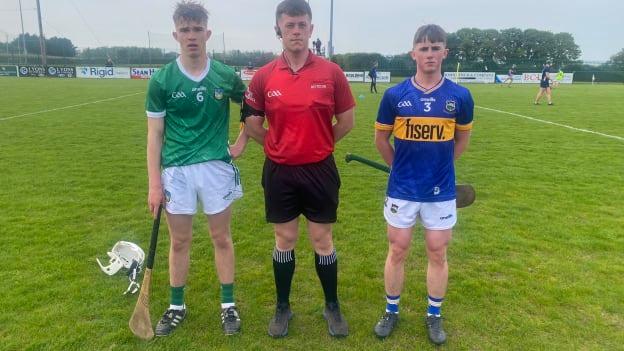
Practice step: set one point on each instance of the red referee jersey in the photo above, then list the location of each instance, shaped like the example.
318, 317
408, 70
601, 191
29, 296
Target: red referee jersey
299, 108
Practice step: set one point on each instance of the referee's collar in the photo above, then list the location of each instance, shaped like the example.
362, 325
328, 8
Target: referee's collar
282, 62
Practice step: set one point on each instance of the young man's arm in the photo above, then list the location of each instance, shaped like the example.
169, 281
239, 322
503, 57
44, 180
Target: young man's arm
238, 95
237, 149
155, 129
462, 138
254, 128
382, 142
344, 123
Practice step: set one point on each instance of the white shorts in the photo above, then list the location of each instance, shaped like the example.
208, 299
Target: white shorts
433, 215
215, 183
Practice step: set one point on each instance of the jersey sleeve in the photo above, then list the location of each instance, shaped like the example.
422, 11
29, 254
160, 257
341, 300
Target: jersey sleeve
343, 98
386, 113
238, 88
463, 120
254, 96
155, 102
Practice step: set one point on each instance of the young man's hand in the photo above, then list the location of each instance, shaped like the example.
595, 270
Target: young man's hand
155, 197
236, 150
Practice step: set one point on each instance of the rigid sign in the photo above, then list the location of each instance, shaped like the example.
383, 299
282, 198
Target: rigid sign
103, 72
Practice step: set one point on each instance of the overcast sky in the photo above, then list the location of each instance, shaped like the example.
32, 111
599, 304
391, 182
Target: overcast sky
384, 26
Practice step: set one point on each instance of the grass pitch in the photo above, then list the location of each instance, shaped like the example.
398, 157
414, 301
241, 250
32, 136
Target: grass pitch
536, 263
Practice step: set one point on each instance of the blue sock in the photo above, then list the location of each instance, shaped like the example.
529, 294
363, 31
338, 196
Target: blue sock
435, 306
392, 303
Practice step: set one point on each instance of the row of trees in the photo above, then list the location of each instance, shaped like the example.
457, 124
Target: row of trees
472, 48
55, 46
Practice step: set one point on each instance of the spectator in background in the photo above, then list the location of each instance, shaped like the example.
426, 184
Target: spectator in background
558, 78
544, 85
510, 75
372, 74
317, 46
109, 62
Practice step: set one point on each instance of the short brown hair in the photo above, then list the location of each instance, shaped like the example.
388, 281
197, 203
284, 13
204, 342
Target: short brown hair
431, 32
188, 10
293, 8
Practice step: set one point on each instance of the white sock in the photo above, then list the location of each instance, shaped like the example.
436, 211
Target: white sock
177, 307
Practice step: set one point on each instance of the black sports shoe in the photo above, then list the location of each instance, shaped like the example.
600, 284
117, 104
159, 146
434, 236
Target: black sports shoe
278, 327
336, 324
230, 321
386, 324
434, 329
169, 321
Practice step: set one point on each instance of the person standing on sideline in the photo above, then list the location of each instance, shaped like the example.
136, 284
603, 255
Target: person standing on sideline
510, 75
544, 85
431, 120
188, 107
299, 94
558, 78
372, 74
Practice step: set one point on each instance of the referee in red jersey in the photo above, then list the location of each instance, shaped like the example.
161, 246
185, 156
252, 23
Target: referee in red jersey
299, 94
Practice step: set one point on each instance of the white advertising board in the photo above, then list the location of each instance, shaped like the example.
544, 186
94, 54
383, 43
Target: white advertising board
103, 72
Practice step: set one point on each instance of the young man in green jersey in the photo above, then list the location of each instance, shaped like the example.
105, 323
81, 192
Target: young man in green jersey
188, 158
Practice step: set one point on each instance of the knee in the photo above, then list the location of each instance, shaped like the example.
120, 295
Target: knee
398, 253
221, 239
323, 243
180, 244
437, 257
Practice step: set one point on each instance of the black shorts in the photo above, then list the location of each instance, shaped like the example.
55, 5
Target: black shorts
544, 84
310, 189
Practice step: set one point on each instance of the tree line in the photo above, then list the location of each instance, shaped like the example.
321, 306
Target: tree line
474, 49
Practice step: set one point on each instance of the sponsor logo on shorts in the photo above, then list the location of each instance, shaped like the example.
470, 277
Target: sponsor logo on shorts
446, 217
167, 196
394, 208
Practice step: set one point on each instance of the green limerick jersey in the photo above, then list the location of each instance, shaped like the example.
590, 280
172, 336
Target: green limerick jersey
196, 111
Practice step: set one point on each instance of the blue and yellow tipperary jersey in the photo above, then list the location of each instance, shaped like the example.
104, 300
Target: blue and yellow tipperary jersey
423, 123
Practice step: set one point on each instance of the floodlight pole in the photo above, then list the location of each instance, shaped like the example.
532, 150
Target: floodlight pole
23, 35
330, 49
149, 48
41, 38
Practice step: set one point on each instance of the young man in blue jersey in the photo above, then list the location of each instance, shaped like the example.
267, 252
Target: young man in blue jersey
372, 74
430, 118
544, 85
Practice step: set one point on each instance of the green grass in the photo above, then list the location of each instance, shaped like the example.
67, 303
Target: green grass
536, 263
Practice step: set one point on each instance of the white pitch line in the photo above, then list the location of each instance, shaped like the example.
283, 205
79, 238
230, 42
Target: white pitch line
553, 123
68, 107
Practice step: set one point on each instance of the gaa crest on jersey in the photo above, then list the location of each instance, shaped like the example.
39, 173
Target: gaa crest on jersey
218, 93
450, 106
